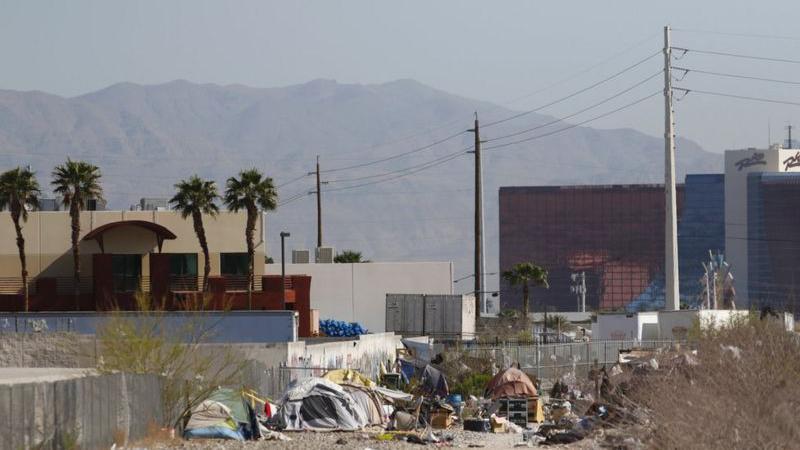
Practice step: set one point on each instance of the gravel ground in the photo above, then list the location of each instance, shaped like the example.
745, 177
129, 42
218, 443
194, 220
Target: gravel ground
362, 440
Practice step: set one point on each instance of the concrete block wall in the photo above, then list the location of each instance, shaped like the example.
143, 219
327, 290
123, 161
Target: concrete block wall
84, 412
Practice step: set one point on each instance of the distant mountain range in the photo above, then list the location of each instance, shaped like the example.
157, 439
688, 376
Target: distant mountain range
145, 138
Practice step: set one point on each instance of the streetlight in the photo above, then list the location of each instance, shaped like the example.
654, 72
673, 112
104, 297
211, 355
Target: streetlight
284, 235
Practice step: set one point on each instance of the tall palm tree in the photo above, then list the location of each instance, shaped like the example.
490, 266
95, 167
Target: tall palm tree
523, 274
250, 192
19, 192
77, 182
195, 197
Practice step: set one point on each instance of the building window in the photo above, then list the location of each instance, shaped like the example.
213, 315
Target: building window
234, 263
126, 271
183, 272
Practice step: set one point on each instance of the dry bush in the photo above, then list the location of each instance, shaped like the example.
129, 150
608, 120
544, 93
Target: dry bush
744, 391
143, 343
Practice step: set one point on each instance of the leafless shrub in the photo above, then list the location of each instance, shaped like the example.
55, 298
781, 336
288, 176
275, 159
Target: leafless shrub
740, 390
144, 343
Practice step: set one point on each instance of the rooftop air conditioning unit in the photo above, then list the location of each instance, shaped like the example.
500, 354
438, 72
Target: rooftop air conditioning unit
301, 256
325, 255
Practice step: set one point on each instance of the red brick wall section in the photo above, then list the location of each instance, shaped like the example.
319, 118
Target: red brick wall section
302, 291
103, 281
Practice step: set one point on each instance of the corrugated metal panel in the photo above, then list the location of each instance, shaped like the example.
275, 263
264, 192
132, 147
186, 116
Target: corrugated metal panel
414, 314
228, 327
394, 312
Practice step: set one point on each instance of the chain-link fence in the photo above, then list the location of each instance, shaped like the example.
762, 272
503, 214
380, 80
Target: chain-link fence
550, 361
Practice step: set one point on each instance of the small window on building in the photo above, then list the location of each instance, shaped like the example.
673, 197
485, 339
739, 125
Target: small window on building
126, 271
234, 263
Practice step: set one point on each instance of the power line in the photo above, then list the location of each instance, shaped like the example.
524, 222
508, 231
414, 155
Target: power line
293, 198
747, 35
585, 70
429, 165
578, 92
379, 175
741, 97
561, 119
292, 181
573, 125
737, 55
730, 75
399, 155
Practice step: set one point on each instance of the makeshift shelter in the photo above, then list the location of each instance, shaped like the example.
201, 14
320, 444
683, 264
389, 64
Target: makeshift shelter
433, 382
317, 404
511, 382
212, 420
348, 376
225, 414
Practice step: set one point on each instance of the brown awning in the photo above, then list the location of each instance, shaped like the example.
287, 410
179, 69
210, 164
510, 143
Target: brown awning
160, 231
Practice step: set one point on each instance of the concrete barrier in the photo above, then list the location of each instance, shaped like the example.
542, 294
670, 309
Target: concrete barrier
75, 408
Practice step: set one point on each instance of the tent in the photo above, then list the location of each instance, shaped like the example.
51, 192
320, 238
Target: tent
212, 420
317, 404
511, 382
433, 382
225, 414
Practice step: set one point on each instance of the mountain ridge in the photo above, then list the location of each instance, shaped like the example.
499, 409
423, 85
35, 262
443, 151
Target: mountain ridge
147, 137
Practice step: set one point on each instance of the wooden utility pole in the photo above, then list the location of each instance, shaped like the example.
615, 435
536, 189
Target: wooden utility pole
319, 208
672, 289
479, 285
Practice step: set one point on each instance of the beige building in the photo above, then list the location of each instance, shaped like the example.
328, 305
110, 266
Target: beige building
133, 243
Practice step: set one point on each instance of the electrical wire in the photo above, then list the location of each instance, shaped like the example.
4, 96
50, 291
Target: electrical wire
741, 97
368, 177
578, 92
506, 144
294, 198
430, 165
293, 180
730, 75
585, 70
398, 155
737, 55
747, 35
563, 118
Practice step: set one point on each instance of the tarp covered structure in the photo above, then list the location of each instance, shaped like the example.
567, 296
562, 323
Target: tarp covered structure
317, 404
511, 382
433, 382
348, 376
223, 415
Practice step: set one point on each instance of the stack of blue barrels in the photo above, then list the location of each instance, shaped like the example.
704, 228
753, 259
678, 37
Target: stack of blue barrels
340, 328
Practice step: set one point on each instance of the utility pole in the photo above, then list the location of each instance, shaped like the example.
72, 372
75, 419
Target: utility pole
319, 208
479, 290
672, 291
789, 127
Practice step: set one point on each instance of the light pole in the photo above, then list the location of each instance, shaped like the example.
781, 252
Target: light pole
284, 235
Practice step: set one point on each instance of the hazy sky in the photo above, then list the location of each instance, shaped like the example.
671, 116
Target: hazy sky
491, 50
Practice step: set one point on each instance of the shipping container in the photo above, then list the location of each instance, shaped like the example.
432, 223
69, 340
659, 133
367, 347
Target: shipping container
442, 316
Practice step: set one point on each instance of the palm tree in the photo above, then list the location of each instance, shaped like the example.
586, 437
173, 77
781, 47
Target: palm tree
250, 192
195, 197
523, 274
77, 182
19, 192
349, 256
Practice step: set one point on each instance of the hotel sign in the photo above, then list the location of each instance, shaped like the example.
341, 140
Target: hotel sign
756, 159
792, 161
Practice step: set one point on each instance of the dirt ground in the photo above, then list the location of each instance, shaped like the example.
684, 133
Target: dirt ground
365, 440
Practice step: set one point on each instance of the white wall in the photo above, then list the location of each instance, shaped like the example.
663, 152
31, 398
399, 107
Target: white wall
647, 325
615, 327
668, 321
357, 292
